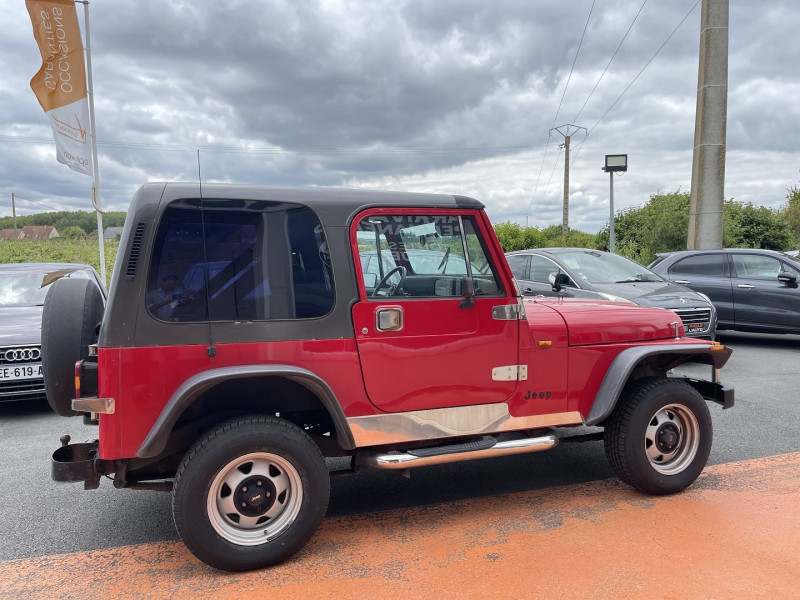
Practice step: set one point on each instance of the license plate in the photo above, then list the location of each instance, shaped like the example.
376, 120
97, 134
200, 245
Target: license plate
25, 371
696, 326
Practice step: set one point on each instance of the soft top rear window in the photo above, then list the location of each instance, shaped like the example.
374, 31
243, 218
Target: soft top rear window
239, 260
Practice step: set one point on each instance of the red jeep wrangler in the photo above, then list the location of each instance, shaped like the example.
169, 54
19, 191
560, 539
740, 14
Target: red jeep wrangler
251, 332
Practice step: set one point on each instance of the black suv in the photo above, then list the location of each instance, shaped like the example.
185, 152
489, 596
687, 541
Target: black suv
753, 290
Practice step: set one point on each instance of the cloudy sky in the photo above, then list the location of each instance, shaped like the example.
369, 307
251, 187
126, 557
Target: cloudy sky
454, 96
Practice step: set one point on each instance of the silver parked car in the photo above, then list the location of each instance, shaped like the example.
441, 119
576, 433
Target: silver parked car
586, 273
23, 287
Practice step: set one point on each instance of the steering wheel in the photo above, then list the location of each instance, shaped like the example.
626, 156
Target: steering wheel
390, 289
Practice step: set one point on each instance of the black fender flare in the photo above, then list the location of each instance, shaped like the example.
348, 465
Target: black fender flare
620, 371
192, 388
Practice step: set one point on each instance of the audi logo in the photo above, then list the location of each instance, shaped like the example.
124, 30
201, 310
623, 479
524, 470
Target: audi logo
19, 354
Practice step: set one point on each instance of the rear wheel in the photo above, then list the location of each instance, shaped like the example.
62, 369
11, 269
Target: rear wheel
73, 310
659, 437
250, 493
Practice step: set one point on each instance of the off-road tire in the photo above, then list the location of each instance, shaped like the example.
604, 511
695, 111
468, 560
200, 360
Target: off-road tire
73, 310
659, 436
212, 483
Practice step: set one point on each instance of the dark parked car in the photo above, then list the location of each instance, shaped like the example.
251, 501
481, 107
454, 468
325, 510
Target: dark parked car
23, 287
753, 290
585, 273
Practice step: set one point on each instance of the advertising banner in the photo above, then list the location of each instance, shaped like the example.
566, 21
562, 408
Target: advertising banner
60, 84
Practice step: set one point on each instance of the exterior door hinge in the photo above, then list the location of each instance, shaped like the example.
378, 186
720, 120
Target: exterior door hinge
509, 312
510, 373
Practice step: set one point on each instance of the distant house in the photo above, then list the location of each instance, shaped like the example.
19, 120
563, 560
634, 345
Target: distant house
11, 234
39, 232
112, 233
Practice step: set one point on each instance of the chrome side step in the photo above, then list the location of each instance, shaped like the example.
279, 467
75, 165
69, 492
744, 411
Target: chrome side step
456, 453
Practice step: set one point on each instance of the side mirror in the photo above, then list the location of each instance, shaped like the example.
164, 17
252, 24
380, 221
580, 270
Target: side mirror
558, 280
790, 279
370, 280
467, 292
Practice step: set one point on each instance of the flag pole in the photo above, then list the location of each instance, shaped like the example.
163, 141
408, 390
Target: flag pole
95, 166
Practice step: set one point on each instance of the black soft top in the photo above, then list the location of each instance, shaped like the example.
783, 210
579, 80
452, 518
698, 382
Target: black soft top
126, 321
333, 206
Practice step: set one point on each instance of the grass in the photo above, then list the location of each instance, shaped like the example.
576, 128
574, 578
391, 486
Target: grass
75, 250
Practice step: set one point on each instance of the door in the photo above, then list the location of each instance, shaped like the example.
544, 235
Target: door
762, 301
536, 278
421, 344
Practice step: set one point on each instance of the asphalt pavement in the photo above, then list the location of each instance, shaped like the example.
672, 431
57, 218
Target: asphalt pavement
42, 517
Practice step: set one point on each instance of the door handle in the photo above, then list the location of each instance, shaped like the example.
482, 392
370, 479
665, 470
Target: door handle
746, 286
389, 319
683, 281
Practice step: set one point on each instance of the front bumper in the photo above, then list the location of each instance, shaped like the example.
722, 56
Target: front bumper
714, 392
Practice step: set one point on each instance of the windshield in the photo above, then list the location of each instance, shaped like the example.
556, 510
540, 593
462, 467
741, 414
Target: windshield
602, 267
29, 289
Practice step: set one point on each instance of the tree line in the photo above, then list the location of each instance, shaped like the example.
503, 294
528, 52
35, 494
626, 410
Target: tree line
68, 223
662, 225
641, 232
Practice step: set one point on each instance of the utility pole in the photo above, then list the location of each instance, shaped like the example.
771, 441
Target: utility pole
14, 210
567, 133
708, 164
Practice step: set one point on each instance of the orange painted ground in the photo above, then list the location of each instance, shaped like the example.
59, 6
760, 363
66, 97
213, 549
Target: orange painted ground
734, 534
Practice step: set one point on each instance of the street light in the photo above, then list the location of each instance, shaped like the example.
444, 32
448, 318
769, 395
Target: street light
615, 163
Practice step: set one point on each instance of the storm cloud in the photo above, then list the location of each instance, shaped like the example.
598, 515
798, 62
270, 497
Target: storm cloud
454, 96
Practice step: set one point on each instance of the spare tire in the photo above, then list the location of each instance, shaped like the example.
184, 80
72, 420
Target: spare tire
73, 310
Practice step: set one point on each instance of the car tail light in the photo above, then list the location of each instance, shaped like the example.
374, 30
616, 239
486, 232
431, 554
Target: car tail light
78, 379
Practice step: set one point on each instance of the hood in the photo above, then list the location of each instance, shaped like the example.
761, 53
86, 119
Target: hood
20, 325
591, 322
654, 293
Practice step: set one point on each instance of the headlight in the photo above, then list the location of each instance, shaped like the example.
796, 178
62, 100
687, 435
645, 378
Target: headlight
704, 297
614, 298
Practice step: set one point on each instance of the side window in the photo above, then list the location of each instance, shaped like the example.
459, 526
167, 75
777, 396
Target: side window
754, 266
423, 256
519, 265
541, 268
790, 267
239, 261
709, 265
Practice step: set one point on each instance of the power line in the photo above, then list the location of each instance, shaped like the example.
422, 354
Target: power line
575, 60
310, 151
578, 151
553, 171
613, 56
536, 187
39, 203
558, 110
647, 64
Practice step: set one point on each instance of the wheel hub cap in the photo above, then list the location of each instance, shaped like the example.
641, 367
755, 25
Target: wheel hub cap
254, 496
667, 438
672, 439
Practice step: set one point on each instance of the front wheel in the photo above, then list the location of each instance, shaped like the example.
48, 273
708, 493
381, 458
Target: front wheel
250, 493
659, 436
